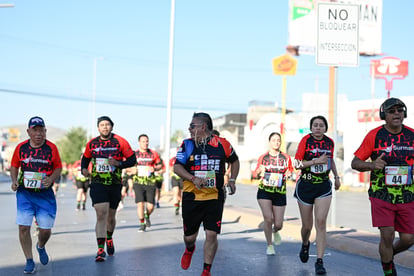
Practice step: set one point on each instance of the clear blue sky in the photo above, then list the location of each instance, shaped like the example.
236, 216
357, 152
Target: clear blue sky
223, 53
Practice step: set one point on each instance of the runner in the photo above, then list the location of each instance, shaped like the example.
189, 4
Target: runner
159, 179
82, 185
177, 187
110, 153
148, 161
40, 166
314, 189
390, 148
274, 167
201, 163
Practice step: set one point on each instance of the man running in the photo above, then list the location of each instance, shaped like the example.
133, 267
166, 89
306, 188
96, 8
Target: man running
201, 163
40, 166
148, 161
110, 153
390, 148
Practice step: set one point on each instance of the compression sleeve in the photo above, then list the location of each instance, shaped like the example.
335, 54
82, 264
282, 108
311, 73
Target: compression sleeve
85, 162
129, 162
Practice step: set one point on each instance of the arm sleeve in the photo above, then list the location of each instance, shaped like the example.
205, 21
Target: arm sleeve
85, 162
129, 162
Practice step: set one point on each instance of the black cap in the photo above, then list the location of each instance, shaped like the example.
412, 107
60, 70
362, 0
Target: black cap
36, 121
105, 118
392, 102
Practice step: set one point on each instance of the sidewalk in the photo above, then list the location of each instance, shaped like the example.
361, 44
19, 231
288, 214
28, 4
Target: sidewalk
343, 239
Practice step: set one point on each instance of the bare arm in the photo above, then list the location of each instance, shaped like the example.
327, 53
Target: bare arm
234, 172
363, 166
13, 174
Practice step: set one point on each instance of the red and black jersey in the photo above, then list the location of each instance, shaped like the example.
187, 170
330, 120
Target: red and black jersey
206, 161
98, 149
310, 148
149, 158
274, 167
43, 159
399, 153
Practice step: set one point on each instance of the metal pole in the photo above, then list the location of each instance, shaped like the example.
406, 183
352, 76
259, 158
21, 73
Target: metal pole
335, 138
93, 97
169, 101
283, 119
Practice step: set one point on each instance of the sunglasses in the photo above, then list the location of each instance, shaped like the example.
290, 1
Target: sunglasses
192, 126
392, 111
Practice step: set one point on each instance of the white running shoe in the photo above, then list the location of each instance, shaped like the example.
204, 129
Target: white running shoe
270, 251
277, 239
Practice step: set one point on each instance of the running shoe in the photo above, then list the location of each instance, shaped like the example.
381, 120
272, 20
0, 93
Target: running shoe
186, 259
83, 206
142, 227
177, 211
277, 239
304, 253
110, 247
270, 251
319, 269
158, 204
101, 255
206, 273
44, 258
30, 267
147, 222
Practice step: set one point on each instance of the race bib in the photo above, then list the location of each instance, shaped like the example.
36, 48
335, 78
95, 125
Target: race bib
398, 175
102, 165
33, 180
209, 175
273, 179
320, 168
143, 171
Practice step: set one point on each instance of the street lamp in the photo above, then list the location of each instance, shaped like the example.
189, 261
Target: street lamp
94, 94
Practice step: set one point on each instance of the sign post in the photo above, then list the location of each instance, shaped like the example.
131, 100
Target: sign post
284, 65
337, 44
389, 67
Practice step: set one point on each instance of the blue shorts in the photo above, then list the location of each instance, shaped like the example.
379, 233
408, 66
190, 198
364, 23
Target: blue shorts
41, 205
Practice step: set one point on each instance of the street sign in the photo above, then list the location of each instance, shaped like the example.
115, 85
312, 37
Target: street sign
284, 65
337, 36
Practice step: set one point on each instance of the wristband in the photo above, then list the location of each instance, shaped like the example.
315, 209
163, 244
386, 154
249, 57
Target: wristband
337, 177
192, 179
232, 180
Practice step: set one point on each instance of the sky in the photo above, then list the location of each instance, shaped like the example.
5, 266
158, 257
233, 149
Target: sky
222, 61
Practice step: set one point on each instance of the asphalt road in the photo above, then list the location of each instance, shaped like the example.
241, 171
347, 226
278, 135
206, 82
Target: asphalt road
72, 246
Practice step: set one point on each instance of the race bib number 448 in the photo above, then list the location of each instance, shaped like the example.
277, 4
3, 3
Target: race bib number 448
209, 175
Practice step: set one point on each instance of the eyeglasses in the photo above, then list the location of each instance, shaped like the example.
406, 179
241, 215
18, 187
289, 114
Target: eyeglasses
392, 111
192, 126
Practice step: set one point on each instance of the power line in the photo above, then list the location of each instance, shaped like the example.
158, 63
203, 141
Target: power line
124, 102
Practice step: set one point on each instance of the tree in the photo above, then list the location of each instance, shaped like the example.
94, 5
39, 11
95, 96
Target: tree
71, 145
177, 138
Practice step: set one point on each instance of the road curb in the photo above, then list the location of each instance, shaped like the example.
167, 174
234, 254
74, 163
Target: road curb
342, 239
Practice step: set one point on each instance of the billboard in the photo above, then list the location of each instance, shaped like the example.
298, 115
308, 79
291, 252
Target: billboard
302, 25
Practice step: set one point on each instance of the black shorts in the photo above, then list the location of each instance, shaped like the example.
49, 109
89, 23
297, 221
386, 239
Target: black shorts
306, 192
106, 193
208, 212
125, 179
177, 182
158, 184
144, 193
276, 198
82, 185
